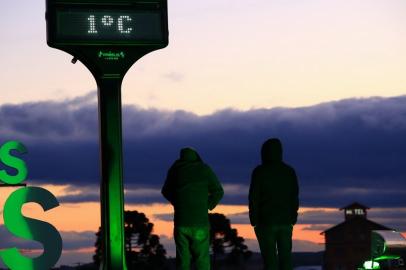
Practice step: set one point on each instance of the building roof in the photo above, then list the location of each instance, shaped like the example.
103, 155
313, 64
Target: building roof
355, 205
377, 225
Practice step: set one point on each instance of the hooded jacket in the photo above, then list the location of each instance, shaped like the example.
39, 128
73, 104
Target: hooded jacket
274, 191
192, 188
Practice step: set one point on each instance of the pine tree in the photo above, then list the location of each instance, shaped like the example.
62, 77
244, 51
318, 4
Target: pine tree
143, 249
225, 241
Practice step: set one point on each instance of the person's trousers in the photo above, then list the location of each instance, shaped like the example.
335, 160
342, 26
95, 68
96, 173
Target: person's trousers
192, 244
275, 242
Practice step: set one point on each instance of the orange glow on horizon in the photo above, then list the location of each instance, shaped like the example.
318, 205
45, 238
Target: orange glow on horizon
86, 216
244, 230
82, 217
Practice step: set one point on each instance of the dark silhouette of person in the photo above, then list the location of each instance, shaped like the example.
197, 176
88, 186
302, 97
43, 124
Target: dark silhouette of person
273, 206
193, 189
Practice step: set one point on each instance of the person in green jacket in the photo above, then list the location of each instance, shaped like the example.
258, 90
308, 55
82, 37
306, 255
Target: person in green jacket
273, 206
193, 189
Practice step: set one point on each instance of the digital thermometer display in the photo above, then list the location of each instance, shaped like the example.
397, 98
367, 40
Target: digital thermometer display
105, 25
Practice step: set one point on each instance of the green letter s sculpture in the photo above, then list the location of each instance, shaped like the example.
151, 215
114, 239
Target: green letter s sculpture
13, 162
31, 229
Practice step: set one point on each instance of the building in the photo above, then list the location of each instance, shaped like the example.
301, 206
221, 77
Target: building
348, 244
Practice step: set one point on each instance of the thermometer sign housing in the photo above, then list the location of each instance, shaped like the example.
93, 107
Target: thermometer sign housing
107, 36
120, 23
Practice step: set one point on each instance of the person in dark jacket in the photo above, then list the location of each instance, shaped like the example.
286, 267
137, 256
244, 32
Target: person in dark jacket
273, 206
193, 189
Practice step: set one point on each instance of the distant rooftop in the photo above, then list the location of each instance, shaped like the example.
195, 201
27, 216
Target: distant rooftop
355, 205
355, 210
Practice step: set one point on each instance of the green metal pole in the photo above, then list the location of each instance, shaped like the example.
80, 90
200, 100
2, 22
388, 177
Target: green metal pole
111, 188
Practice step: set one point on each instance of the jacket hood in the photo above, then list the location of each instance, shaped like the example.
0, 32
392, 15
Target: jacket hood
271, 151
188, 154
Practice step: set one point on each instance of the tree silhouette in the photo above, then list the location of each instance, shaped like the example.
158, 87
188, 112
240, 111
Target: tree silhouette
224, 239
143, 249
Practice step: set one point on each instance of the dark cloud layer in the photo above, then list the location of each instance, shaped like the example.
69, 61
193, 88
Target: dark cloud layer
71, 240
320, 220
343, 151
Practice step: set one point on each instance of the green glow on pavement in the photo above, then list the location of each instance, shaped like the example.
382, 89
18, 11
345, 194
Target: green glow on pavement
371, 265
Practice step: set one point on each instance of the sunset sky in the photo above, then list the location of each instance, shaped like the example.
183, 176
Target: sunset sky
327, 77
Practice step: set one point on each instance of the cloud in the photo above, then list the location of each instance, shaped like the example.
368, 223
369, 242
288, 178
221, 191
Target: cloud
174, 76
75, 245
394, 218
239, 218
71, 240
320, 220
164, 217
315, 217
78, 240
297, 245
306, 246
342, 151
91, 193
317, 227
7, 241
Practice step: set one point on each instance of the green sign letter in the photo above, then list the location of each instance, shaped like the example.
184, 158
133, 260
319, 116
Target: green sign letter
31, 229
7, 159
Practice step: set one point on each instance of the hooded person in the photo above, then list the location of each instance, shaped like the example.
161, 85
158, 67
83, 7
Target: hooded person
193, 189
273, 206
